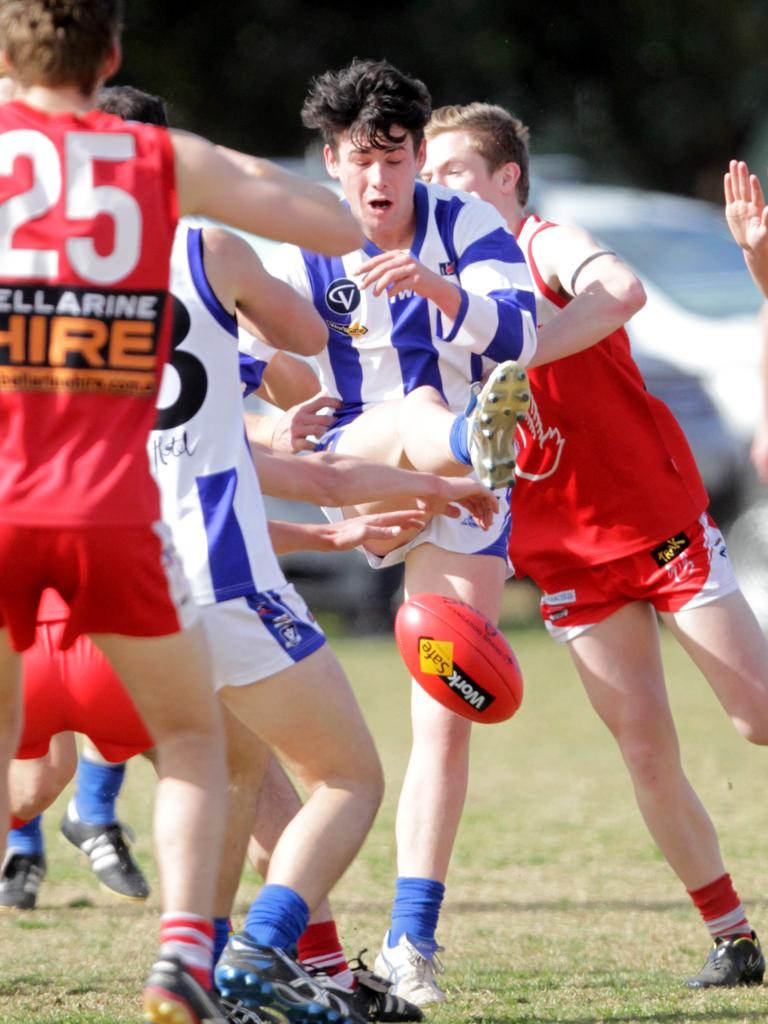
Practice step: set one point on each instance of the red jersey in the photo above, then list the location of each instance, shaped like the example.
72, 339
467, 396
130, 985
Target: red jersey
604, 469
87, 217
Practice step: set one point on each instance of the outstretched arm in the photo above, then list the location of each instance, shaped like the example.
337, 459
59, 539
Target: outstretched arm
342, 536
604, 292
747, 216
265, 306
260, 197
324, 478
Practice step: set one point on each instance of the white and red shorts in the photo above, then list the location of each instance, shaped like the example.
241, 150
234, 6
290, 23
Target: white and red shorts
684, 571
116, 579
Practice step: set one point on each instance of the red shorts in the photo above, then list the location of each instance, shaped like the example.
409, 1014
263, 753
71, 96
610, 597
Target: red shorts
684, 571
126, 580
76, 691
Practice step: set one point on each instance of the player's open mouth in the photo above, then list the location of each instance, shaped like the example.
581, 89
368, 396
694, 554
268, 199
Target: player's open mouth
380, 204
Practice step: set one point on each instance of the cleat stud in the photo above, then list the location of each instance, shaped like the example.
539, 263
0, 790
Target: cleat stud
524, 397
521, 375
488, 434
507, 412
486, 418
502, 377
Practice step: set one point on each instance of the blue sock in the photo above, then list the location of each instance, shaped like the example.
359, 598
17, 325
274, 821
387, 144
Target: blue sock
458, 439
415, 912
27, 839
278, 916
97, 788
222, 926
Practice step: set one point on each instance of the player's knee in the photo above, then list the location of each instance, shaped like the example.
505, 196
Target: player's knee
652, 763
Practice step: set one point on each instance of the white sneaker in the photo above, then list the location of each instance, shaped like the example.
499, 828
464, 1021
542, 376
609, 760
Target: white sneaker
504, 399
410, 974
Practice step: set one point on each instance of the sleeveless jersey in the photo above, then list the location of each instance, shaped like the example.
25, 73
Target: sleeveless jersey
87, 215
383, 347
604, 469
198, 452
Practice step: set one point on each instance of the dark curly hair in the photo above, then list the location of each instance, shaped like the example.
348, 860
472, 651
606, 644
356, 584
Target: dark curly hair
132, 105
368, 99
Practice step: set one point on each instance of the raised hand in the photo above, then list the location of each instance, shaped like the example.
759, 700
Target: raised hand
745, 208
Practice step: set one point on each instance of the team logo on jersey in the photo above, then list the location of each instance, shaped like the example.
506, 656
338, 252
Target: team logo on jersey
342, 296
288, 631
539, 448
670, 549
448, 269
353, 330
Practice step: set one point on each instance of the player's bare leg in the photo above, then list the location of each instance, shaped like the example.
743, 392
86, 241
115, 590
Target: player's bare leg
247, 762
168, 679
435, 785
725, 641
36, 782
620, 665
10, 722
619, 661
308, 715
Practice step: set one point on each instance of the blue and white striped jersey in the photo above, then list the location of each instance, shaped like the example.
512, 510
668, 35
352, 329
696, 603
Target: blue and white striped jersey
382, 347
210, 494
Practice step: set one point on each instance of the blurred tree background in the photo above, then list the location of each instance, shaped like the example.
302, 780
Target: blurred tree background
657, 94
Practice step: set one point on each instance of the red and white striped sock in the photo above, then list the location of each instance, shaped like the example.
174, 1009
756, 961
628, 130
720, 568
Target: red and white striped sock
189, 938
722, 910
319, 948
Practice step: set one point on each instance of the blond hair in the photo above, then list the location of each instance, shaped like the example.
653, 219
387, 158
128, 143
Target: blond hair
59, 42
498, 136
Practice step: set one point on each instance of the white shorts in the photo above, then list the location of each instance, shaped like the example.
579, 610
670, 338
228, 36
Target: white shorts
253, 637
462, 535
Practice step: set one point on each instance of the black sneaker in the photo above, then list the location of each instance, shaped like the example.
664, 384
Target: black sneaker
20, 880
732, 962
258, 976
371, 998
107, 849
172, 996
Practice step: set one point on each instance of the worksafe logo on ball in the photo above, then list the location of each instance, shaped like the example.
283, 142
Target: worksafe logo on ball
342, 296
436, 658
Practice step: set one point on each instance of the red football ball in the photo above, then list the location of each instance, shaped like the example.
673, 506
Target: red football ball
459, 657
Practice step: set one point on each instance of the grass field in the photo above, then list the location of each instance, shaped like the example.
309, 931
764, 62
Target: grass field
558, 907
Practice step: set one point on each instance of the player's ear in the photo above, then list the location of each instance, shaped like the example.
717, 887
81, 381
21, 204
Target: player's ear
509, 177
331, 163
421, 155
113, 61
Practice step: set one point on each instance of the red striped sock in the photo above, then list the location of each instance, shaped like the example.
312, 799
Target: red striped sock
18, 822
319, 948
722, 910
189, 938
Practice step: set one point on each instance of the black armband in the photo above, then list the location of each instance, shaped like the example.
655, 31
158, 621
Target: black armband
592, 256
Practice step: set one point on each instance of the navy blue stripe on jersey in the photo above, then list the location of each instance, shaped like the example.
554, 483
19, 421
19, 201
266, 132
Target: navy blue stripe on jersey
411, 340
202, 284
297, 637
343, 356
507, 342
501, 544
251, 372
497, 245
476, 367
446, 213
228, 560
